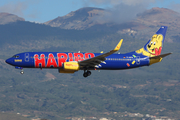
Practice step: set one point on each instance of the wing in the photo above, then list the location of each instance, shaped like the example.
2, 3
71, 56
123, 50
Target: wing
93, 62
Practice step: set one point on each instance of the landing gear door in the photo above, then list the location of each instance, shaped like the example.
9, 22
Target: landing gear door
26, 57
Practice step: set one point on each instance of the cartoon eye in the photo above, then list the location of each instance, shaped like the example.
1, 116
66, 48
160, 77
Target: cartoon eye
154, 43
151, 43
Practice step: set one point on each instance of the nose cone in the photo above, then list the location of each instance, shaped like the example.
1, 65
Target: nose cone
9, 61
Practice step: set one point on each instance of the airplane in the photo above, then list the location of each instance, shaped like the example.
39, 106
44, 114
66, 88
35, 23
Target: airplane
70, 62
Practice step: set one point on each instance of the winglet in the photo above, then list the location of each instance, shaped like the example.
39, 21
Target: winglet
118, 45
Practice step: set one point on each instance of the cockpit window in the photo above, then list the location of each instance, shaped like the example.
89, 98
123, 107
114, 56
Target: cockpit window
15, 56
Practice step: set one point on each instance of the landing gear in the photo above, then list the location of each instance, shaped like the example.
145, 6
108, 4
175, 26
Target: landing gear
22, 72
87, 73
21, 68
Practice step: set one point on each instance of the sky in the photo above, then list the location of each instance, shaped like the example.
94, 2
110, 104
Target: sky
45, 10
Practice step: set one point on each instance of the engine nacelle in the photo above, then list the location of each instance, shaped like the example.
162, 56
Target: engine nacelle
69, 67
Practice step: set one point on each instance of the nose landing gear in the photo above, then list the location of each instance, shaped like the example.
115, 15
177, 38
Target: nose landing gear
87, 73
21, 68
22, 72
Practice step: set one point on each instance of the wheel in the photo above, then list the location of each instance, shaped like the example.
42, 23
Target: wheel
22, 72
85, 74
88, 73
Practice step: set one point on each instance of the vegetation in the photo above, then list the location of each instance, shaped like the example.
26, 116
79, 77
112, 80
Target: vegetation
147, 90
11, 116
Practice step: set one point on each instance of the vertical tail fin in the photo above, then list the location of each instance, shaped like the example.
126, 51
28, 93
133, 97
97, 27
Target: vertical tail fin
154, 46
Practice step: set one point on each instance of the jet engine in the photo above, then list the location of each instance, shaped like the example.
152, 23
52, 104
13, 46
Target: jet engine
69, 67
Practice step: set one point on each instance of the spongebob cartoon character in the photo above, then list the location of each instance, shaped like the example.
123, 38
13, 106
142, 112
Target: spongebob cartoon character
153, 47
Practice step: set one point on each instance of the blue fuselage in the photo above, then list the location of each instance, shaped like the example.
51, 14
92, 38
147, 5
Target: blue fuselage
56, 60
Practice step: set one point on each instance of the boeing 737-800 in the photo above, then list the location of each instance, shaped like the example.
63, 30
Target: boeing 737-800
70, 62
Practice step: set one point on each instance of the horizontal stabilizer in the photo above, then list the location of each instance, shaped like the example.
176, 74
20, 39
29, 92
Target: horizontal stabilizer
158, 58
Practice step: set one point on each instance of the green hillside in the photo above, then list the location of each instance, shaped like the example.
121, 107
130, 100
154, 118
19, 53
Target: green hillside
47, 94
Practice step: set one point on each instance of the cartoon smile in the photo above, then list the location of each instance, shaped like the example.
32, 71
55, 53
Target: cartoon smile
152, 50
